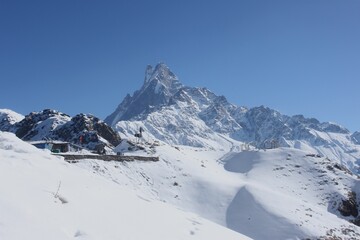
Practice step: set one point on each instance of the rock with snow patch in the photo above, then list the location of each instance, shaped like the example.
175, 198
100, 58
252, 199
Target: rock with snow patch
349, 206
55, 125
39, 125
87, 130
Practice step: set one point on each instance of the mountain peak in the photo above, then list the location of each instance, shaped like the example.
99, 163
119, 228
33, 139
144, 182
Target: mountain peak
161, 78
159, 86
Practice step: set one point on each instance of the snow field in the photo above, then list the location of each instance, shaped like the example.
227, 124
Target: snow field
96, 208
280, 193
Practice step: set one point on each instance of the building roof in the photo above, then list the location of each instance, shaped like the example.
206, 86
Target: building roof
47, 141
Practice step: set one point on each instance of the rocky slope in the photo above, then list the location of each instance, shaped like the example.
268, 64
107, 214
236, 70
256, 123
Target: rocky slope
51, 124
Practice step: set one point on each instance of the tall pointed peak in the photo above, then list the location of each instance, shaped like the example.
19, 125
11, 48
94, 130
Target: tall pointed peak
159, 72
162, 75
160, 84
161, 66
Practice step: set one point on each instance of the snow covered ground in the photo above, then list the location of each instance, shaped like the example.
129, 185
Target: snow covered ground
288, 193
43, 197
274, 194
191, 193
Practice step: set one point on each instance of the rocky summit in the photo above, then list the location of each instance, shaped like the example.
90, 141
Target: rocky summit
159, 86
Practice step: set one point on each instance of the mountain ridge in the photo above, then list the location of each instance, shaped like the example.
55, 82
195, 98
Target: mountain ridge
191, 116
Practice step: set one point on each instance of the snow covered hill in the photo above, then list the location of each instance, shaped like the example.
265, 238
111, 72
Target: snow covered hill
43, 197
281, 193
177, 114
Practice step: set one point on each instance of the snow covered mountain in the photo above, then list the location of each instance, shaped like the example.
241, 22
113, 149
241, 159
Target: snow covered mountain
159, 85
215, 164
51, 124
177, 114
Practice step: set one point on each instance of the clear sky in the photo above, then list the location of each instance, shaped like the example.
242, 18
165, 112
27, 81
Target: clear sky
298, 57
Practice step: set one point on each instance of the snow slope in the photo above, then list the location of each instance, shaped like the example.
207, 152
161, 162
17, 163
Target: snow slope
43, 197
274, 194
290, 193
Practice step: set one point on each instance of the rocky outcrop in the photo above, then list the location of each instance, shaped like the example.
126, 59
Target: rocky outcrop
84, 129
39, 125
349, 206
88, 130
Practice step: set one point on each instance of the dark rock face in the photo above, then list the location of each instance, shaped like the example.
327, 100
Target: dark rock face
355, 137
349, 207
88, 130
51, 124
26, 129
107, 133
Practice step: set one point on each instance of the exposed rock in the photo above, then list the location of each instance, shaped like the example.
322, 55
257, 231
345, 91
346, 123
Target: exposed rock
356, 221
349, 206
356, 137
52, 124
342, 168
87, 130
38, 125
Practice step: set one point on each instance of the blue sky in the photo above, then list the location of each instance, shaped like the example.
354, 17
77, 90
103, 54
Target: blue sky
298, 57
